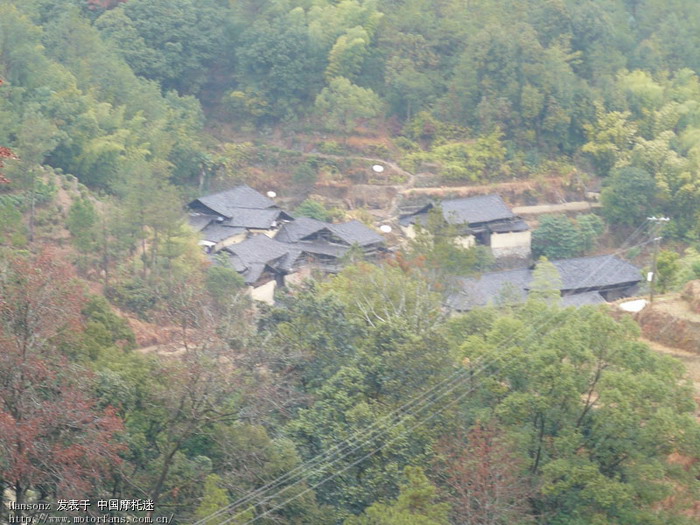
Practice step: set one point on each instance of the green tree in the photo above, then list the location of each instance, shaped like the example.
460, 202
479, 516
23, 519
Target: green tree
222, 282
249, 460
603, 414
609, 140
559, 237
667, 270
386, 293
313, 209
171, 41
214, 498
82, 222
342, 104
474, 160
629, 197
416, 504
10, 224
546, 282
438, 247
277, 71
348, 53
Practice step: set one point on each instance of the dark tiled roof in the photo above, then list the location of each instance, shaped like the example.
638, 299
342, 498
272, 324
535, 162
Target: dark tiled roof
217, 232
517, 225
351, 232
226, 202
596, 272
259, 249
475, 210
322, 248
253, 218
253, 255
510, 285
199, 221
354, 232
582, 299
584, 275
486, 213
298, 229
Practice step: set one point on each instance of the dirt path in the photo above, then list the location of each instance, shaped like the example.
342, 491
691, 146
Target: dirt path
689, 359
400, 188
556, 208
407, 189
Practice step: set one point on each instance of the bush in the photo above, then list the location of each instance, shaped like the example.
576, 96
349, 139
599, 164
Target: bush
559, 237
315, 210
306, 174
406, 144
112, 329
223, 282
134, 296
331, 147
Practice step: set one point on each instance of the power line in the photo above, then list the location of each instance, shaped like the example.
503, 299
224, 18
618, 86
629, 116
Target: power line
315, 465
310, 471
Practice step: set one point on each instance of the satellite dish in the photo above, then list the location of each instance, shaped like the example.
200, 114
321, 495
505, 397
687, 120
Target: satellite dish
377, 168
271, 194
385, 228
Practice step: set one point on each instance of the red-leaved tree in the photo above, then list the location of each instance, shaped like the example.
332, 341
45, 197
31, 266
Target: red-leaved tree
484, 478
54, 440
104, 4
5, 153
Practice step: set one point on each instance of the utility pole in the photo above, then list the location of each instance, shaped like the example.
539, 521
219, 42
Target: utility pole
658, 223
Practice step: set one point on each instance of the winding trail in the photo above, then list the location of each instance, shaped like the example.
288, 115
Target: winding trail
408, 188
400, 188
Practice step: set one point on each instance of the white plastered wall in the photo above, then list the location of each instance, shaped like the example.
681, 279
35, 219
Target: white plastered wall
512, 244
264, 293
465, 241
229, 241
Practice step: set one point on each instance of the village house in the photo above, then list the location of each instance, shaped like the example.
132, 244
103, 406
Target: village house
484, 219
584, 280
229, 217
299, 247
326, 244
263, 263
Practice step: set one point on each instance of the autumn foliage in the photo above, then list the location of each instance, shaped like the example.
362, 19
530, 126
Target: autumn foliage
5, 153
53, 436
104, 4
484, 478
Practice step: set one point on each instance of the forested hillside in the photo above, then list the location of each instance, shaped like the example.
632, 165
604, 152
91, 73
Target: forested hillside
132, 368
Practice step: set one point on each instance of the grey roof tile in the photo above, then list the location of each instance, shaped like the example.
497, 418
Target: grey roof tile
253, 218
517, 225
351, 232
354, 232
226, 202
510, 285
298, 229
259, 249
595, 272
475, 210
252, 256
217, 232
582, 299
582, 275
322, 248
199, 221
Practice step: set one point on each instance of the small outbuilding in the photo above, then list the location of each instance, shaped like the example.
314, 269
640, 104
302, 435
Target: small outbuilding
584, 280
229, 217
484, 219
